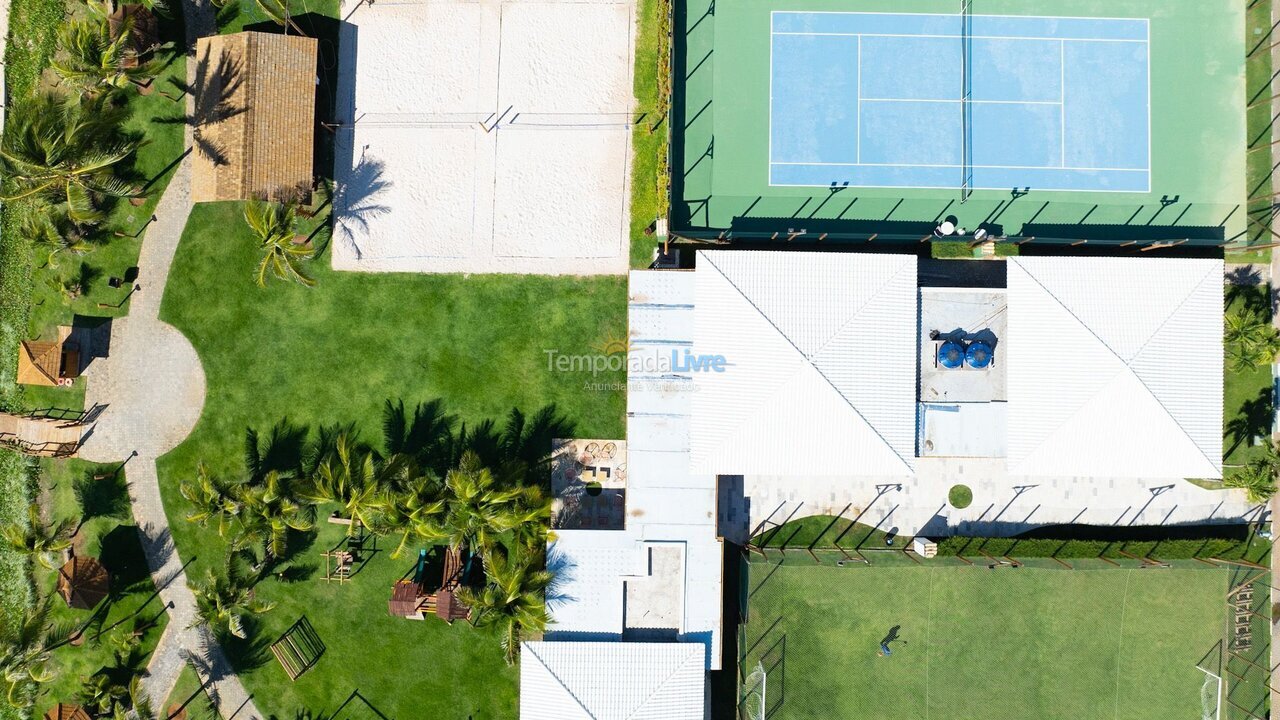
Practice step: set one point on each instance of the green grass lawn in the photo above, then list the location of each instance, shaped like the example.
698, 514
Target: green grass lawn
1258, 164
649, 172
132, 606
977, 643
1246, 396
336, 353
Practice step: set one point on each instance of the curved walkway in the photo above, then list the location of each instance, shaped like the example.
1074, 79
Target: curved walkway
152, 390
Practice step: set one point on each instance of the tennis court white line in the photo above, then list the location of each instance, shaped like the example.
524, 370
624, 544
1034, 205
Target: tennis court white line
984, 167
955, 100
948, 15
1062, 101
999, 188
957, 37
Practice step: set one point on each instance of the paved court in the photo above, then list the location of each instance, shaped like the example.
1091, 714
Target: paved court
944, 101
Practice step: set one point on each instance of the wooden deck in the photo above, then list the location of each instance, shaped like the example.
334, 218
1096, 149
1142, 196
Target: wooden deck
40, 436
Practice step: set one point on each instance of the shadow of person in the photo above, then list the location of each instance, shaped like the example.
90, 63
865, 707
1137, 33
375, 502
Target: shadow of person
893, 635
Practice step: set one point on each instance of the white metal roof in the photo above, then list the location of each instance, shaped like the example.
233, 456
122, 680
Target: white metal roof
1117, 367
821, 353
612, 681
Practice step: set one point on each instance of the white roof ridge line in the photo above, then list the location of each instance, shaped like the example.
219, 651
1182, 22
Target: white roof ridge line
1064, 422
1074, 316
560, 680
676, 670
815, 367
1179, 306
860, 310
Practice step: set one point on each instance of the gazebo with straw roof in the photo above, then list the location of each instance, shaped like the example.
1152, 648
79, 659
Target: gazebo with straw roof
256, 118
66, 712
83, 582
48, 362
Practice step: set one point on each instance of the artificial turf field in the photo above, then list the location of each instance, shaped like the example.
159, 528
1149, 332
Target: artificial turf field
1015, 644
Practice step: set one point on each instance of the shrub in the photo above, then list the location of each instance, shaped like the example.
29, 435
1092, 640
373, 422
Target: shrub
960, 496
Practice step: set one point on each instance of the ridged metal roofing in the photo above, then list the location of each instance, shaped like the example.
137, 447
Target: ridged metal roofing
1116, 370
612, 681
821, 353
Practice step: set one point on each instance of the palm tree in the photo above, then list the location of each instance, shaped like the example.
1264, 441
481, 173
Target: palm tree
1257, 477
274, 225
39, 540
25, 648
479, 510
91, 58
415, 510
279, 12
224, 601
514, 600
212, 499
1250, 339
102, 694
55, 232
65, 152
269, 510
349, 476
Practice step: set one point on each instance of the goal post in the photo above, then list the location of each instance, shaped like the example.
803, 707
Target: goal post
752, 697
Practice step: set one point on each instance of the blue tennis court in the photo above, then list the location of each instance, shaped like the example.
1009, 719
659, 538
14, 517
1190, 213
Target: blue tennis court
952, 101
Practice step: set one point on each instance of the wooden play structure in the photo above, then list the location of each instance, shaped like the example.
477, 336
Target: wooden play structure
298, 649
416, 599
66, 712
49, 363
340, 560
83, 582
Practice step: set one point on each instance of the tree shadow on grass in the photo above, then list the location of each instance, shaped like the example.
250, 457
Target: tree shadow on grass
1252, 419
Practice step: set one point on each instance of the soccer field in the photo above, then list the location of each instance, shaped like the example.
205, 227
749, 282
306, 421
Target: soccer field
970, 643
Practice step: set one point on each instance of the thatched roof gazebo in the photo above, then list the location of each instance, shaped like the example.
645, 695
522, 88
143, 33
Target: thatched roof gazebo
83, 582
47, 362
66, 712
255, 117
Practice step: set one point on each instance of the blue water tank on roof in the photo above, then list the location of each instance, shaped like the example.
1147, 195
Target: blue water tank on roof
979, 355
951, 355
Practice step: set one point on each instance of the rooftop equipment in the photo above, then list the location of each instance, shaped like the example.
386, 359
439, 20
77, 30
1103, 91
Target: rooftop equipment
978, 355
951, 355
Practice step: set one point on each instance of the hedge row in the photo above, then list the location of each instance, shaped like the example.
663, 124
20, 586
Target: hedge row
1173, 549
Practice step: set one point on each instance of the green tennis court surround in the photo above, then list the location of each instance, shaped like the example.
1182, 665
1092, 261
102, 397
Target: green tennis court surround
1110, 121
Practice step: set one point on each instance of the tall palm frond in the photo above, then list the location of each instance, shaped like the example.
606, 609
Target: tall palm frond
213, 499
274, 225
43, 542
513, 600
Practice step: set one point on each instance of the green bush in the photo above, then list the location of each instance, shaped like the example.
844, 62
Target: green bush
1176, 549
960, 496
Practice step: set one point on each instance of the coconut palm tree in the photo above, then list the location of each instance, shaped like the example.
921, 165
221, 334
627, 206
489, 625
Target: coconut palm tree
43, 542
223, 602
213, 499
1257, 477
513, 600
415, 510
1250, 339
270, 508
65, 153
91, 58
25, 648
275, 227
479, 510
53, 232
279, 12
349, 476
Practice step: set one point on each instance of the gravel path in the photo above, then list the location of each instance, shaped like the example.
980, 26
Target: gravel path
152, 389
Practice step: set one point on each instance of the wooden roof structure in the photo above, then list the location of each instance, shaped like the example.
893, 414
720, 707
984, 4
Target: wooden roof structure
45, 362
66, 712
83, 582
255, 116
